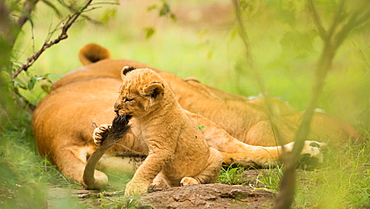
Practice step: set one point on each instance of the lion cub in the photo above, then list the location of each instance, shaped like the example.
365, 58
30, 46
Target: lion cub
178, 154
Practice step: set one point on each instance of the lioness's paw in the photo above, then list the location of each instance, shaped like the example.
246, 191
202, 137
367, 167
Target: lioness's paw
188, 180
100, 133
311, 154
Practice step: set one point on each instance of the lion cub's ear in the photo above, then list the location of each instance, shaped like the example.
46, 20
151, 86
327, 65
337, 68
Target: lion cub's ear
154, 91
125, 70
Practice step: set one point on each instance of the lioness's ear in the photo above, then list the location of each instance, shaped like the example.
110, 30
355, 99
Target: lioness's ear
153, 90
126, 69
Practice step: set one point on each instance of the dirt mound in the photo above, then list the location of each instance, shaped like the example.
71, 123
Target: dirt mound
208, 196
191, 196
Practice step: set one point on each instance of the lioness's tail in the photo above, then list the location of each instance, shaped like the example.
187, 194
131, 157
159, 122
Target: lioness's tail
91, 53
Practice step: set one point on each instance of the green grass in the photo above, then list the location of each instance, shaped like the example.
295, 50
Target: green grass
233, 175
342, 182
25, 177
285, 55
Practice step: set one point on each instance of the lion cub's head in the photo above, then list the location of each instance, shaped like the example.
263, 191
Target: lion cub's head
142, 92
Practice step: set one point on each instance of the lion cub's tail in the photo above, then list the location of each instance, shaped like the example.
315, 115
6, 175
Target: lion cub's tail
91, 53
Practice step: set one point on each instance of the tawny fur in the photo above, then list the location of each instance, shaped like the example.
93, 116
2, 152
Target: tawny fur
62, 120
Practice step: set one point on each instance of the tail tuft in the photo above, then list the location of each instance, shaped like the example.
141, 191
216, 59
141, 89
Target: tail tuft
91, 53
120, 126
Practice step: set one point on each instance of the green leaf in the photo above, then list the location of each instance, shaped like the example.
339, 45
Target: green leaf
165, 9
149, 32
46, 87
20, 85
297, 43
108, 15
48, 75
201, 127
31, 83
152, 7
173, 17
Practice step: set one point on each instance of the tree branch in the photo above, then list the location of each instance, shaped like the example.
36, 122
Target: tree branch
336, 21
28, 8
316, 18
364, 18
63, 35
332, 42
353, 22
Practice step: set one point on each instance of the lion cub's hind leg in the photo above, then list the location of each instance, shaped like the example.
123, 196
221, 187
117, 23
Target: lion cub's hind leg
210, 172
160, 181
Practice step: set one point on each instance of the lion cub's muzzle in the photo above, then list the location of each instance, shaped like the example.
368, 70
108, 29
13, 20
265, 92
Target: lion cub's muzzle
120, 112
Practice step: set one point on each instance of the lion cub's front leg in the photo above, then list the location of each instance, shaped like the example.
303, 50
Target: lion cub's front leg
146, 173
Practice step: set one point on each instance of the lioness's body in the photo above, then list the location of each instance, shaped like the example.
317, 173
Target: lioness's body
62, 121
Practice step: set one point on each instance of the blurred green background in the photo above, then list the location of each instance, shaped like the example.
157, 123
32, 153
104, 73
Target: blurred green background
203, 42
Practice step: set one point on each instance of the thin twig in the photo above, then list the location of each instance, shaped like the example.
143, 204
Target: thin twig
73, 10
26, 102
250, 61
63, 35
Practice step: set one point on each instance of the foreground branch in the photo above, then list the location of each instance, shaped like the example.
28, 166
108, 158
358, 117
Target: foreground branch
332, 41
63, 35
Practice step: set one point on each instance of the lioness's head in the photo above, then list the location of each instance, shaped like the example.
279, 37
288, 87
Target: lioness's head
141, 92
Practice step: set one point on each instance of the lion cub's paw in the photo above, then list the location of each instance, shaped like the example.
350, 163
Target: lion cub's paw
188, 180
100, 133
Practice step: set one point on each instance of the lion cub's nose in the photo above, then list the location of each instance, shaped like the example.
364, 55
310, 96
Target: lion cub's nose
116, 111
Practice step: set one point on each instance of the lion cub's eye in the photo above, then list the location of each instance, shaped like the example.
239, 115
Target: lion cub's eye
127, 100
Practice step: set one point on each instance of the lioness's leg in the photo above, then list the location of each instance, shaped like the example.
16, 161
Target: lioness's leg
235, 151
256, 156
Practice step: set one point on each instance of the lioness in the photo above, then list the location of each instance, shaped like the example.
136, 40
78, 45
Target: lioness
62, 120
